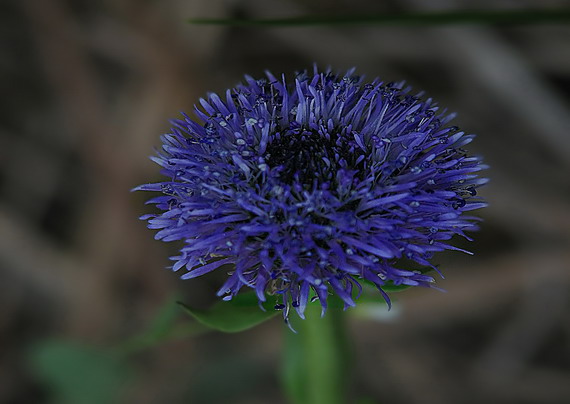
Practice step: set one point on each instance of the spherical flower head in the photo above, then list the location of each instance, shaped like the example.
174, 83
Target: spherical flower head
311, 186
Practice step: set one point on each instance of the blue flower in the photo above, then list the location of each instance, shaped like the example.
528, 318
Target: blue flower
312, 186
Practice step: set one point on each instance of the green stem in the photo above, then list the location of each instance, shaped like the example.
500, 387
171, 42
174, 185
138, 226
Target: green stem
490, 17
315, 358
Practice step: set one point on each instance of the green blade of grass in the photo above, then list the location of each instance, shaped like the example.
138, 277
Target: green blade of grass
502, 17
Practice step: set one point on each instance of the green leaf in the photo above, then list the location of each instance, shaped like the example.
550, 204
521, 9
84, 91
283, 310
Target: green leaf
502, 17
79, 374
239, 314
163, 328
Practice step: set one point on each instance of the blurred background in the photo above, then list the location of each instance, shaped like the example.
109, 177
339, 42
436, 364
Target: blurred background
87, 88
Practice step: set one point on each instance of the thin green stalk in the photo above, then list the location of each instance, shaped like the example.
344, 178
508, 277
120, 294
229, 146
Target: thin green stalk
495, 17
315, 368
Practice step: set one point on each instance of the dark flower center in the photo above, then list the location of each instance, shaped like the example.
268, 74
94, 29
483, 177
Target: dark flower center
305, 156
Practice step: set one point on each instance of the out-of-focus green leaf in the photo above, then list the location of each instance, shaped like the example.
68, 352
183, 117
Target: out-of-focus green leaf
158, 330
491, 17
79, 374
163, 328
239, 314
